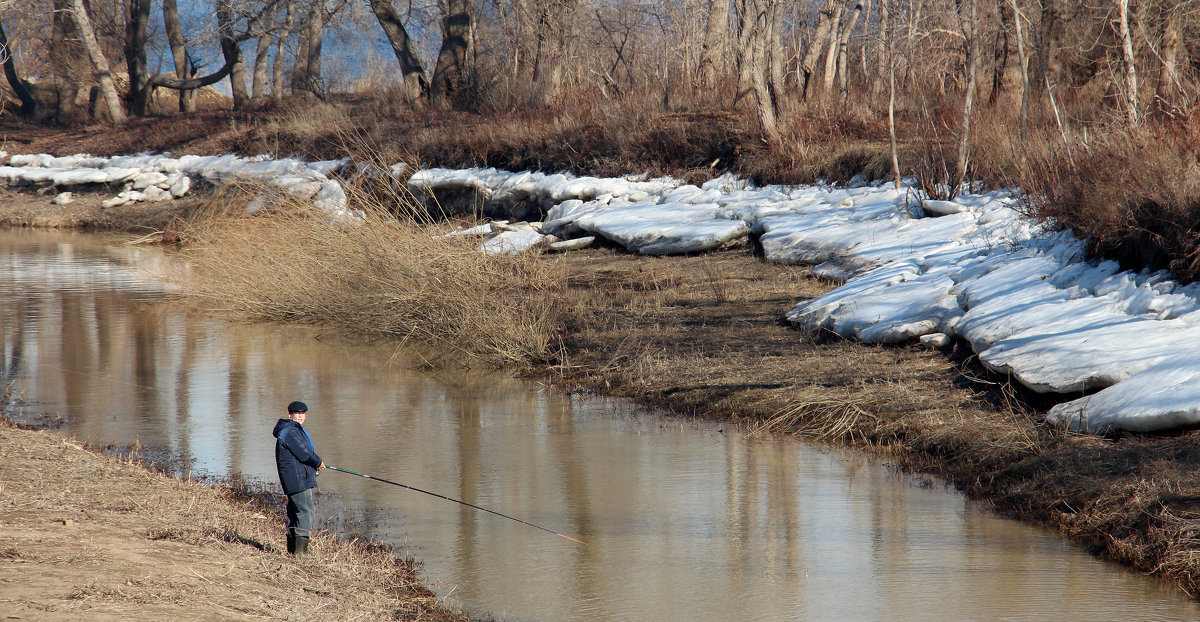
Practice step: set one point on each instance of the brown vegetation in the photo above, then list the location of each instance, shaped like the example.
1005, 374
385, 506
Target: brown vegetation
87, 536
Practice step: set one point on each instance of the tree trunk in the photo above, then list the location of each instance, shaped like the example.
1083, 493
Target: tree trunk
314, 42
1132, 115
775, 54
843, 65
67, 57
29, 106
137, 17
714, 35
83, 24
306, 75
885, 72
277, 68
450, 73
768, 118
745, 10
1167, 89
1024, 62
968, 17
1006, 75
262, 54
807, 66
831, 53
300, 66
233, 55
415, 86
183, 69
889, 56
551, 52
1051, 42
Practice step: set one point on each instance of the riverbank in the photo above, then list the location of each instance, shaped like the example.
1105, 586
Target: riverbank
97, 537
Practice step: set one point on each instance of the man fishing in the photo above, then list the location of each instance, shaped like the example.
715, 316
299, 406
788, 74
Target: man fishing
297, 461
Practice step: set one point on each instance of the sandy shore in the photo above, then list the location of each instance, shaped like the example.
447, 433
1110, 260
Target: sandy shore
84, 536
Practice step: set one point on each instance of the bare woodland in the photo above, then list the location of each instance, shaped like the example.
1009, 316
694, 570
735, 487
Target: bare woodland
936, 67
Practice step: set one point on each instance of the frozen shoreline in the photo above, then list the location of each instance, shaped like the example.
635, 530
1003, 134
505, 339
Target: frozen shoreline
1111, 343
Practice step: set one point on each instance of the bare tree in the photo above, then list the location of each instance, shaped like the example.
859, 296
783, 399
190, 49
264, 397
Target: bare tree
68, 62
29, 106
450, 72
262, 54
1168, 89
280, 36
1129, 65
714, 31
843, 53
137, 17
184, 69
414, 84
550, 53
968, 17
100, 66
829, 14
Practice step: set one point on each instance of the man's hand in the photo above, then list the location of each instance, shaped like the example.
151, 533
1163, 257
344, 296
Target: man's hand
322, 467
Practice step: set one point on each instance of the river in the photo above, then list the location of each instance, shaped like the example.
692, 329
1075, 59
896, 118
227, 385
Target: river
683, 520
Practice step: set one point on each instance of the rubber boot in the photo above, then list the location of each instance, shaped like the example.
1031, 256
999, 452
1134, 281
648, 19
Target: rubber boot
301, 546
291, 543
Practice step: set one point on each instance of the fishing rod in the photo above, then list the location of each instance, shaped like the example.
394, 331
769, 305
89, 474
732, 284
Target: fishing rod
470, 505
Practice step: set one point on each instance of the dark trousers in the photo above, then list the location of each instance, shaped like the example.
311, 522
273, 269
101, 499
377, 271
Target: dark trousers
300, 511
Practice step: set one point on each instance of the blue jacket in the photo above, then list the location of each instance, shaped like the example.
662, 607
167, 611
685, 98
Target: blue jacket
295, 457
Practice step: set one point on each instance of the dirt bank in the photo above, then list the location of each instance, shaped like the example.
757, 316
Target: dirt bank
30, 209
85, 536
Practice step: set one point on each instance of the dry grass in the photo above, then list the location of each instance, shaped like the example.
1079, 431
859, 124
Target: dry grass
387, 277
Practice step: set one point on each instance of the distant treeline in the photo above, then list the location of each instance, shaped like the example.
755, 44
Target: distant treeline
1045, 94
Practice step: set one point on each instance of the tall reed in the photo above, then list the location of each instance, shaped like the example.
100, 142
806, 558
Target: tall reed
390, 276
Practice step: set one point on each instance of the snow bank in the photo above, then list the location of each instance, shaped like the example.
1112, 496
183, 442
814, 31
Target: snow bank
158, 177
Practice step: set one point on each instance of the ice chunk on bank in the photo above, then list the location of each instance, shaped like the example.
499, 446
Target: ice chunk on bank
513, 242
1161, 397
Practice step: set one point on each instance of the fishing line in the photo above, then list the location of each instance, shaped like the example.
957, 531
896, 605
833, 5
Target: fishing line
470, 505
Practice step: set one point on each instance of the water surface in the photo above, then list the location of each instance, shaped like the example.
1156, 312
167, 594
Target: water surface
684, 521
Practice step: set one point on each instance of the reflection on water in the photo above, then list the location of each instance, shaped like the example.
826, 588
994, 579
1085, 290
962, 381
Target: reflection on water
684, 521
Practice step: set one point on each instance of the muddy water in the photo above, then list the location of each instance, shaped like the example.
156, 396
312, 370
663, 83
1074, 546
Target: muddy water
684, 521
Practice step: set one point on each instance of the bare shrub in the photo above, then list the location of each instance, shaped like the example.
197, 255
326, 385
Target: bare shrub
1134, 195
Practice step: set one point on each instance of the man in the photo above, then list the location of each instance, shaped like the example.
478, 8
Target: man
297, 461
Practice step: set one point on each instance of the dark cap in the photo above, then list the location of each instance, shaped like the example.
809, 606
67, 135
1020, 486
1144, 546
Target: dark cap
297, 407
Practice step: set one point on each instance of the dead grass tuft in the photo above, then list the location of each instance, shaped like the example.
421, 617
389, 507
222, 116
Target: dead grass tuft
824, 419
388, 276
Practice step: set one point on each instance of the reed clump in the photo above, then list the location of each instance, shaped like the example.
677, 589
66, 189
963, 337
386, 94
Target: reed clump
391, 275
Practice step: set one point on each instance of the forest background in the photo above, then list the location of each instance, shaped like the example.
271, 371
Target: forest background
1084, 104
